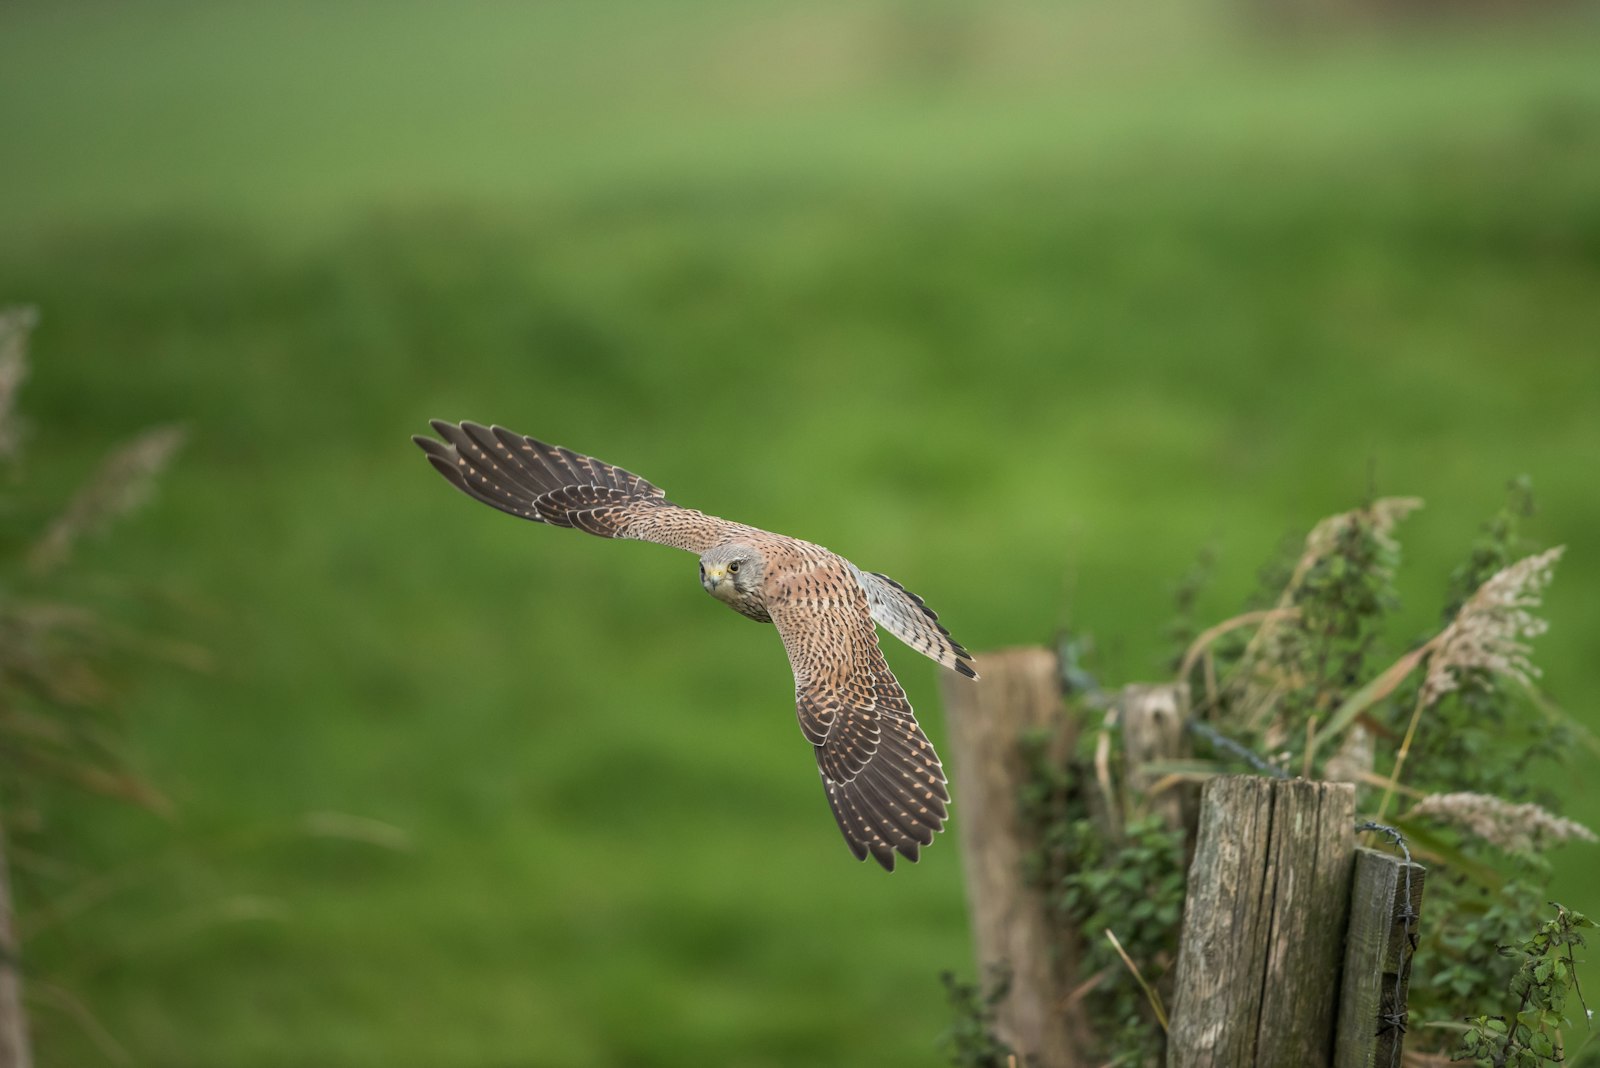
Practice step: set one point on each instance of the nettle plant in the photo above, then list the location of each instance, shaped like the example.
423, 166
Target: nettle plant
1546, 974
1446, 737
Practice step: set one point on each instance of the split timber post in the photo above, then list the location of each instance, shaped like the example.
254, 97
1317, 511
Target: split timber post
1385, 900
1260, 957
1295, 947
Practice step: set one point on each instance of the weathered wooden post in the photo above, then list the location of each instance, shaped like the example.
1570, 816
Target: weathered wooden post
1263, 927
1385, 900
1154, 719
1020, 692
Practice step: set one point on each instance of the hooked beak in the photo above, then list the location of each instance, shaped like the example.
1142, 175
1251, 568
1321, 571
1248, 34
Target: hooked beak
714, 575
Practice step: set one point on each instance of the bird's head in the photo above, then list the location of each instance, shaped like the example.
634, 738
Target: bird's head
732, 573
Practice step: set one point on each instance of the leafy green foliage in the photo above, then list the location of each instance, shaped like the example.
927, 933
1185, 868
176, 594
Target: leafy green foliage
1343, 602
1460, 966
971, 1041
1130, 881
1545, 976
1133, 887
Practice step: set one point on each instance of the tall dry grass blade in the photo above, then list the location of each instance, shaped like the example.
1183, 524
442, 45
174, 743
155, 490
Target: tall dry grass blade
1311, 747
1372, 778
353, 828
87, 1022
123, 482
1150, 992
16, 323
1179, 778
16, 1049
1102, 778
1083, 989
1393, 781
120, 785
1205, 638
1381, 686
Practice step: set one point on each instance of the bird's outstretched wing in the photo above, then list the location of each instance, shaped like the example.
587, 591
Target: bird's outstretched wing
908, 617
549, 484
884, 781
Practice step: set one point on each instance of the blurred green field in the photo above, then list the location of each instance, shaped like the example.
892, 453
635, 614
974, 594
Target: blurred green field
1023, 305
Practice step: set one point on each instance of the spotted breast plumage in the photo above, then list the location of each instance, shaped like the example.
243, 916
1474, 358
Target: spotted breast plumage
884, 782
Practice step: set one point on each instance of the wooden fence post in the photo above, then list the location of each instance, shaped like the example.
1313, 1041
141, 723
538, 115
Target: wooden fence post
1377, 962
1020, 692
1263, 927
1154, 720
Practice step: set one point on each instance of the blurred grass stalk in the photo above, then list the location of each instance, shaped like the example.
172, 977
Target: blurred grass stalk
15, 1052
14, 1049
53, 695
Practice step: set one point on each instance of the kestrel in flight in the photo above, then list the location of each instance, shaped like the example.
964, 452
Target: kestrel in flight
884, 781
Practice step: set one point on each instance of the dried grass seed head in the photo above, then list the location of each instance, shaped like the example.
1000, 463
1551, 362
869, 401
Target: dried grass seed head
1491, 631
1515, 828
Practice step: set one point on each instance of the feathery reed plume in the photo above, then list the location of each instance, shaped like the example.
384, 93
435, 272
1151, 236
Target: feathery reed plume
1384, 514
1487, 635
1513, 828
1490, 632
123, 482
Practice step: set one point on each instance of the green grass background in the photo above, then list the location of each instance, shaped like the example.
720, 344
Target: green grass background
1023, 304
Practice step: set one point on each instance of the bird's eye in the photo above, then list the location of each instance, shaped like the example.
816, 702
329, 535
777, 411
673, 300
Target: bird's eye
733, 567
